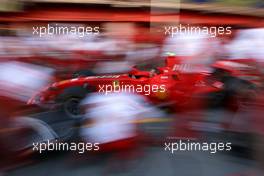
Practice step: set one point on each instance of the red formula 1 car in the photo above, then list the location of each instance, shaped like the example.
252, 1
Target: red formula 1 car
161, 85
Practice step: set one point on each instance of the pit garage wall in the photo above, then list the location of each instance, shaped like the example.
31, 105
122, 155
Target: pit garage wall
41, 14
89, 13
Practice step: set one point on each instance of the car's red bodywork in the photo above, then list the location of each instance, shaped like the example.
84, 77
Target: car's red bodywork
180, 88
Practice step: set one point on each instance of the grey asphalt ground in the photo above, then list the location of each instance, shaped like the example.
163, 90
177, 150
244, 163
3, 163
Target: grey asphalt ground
152, 161
155, 162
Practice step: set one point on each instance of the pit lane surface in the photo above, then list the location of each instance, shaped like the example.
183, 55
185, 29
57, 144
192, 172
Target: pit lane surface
154, 161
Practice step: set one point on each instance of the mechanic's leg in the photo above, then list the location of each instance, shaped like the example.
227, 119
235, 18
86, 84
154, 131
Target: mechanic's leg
259, 154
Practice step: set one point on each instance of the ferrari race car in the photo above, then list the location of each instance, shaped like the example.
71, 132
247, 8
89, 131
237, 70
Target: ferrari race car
162, 85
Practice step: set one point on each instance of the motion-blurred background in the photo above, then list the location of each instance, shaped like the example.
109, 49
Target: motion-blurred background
125, 34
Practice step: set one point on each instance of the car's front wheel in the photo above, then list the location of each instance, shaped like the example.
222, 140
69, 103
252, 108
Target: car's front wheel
72, 107
71, 99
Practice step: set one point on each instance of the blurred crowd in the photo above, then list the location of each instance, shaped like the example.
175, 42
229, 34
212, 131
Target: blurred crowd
133, 43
